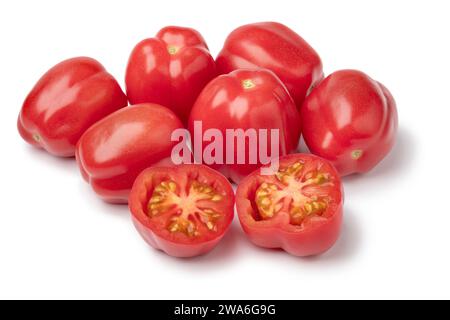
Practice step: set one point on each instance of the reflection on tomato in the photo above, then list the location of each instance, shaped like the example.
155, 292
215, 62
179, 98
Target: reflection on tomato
275, 47
170, 69
351, 120
114, 151
65, 102
244, 100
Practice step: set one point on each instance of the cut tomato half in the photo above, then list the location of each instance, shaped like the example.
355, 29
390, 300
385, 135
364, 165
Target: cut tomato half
298, 208
183, 210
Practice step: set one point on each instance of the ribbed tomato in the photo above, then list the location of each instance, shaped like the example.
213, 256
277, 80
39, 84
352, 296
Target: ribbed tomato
114, 151
351, 120
170, 69
65, 102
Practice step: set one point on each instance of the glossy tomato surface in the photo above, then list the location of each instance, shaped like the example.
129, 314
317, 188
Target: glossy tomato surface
244, 100
275, 47
298, 208
114, 151
183, 210
170, 69
351, 120
65, 102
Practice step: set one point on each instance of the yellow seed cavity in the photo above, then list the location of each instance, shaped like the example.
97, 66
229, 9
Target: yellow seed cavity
187, 216
269, 197
286, 174
209, 218
265, 202
205, 192
180, 224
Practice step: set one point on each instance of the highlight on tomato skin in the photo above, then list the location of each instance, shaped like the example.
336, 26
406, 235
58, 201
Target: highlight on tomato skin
170, 69
273, 46
62, 104
299, 208
115, 150
183, 211
351, 120
251, 100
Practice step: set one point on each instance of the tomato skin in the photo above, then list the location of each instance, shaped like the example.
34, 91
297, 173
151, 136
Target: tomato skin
225, 104
65, 102
315, 238
349, 112
113, 152
152, 234
275, 47
173, 80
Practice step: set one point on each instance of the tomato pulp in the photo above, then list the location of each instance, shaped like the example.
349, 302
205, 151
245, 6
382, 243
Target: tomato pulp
183, 210
298, 208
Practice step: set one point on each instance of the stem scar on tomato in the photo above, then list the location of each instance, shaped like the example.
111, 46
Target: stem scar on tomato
37, 137
188, 211
297, 191
172, 49
357, 154
248, 84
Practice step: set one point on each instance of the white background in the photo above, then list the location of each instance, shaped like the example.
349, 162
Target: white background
57, 240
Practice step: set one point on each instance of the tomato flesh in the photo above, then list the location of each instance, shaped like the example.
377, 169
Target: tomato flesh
187, 214
298, 208
183, 210
302, 194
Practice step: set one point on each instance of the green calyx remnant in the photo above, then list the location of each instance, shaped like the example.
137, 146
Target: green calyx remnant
356, 154
172, 50
248, 84
36, 137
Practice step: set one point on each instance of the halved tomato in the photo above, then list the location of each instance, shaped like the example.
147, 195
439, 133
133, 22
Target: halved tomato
184, 210
298, 208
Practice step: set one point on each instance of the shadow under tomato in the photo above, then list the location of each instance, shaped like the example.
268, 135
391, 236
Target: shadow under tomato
348, 243
40, 155
346, 246
224, 253
399, 160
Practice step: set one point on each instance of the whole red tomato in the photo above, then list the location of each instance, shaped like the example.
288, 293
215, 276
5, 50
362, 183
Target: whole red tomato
250, 101
65, 102
298, 208
351, 120
170, 69
275, 47
114, 151
183, 210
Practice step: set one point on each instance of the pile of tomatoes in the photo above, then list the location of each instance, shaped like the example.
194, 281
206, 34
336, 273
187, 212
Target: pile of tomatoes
266, 77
